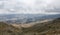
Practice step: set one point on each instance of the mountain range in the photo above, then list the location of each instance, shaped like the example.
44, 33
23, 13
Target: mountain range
26, 18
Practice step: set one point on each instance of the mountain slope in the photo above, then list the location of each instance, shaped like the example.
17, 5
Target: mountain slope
6, 29
45, 28
50, 28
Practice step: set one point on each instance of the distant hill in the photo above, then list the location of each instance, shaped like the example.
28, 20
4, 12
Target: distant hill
26, 18
45, 28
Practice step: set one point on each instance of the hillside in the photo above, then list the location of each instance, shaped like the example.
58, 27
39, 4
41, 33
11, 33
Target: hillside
45, 28
6, 29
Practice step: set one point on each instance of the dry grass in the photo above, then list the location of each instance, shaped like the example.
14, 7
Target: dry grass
44, 28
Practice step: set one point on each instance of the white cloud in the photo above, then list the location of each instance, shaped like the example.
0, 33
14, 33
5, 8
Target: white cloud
29, 6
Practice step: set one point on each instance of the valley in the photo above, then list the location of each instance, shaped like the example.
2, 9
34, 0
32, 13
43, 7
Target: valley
46, 27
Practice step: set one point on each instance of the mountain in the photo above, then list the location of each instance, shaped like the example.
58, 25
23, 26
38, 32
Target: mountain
26, 18
45, 28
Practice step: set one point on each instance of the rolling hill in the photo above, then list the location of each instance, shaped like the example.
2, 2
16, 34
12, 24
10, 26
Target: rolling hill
44, 28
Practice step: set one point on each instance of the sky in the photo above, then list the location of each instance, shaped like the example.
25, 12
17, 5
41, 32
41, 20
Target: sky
29, 7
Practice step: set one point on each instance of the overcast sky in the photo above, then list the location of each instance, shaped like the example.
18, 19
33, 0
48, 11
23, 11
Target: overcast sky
30, 6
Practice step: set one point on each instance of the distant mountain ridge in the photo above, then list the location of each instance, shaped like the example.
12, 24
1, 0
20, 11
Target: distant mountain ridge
26, 18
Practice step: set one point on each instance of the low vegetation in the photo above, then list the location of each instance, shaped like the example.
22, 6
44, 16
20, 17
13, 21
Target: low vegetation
46, 28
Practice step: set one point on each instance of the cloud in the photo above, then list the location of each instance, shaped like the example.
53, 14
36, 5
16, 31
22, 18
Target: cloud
30, 6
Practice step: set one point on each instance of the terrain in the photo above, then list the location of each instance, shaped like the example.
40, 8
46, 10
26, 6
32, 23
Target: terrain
45, 27
26, 18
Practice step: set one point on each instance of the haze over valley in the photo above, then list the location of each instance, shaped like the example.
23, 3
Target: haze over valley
29, 17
